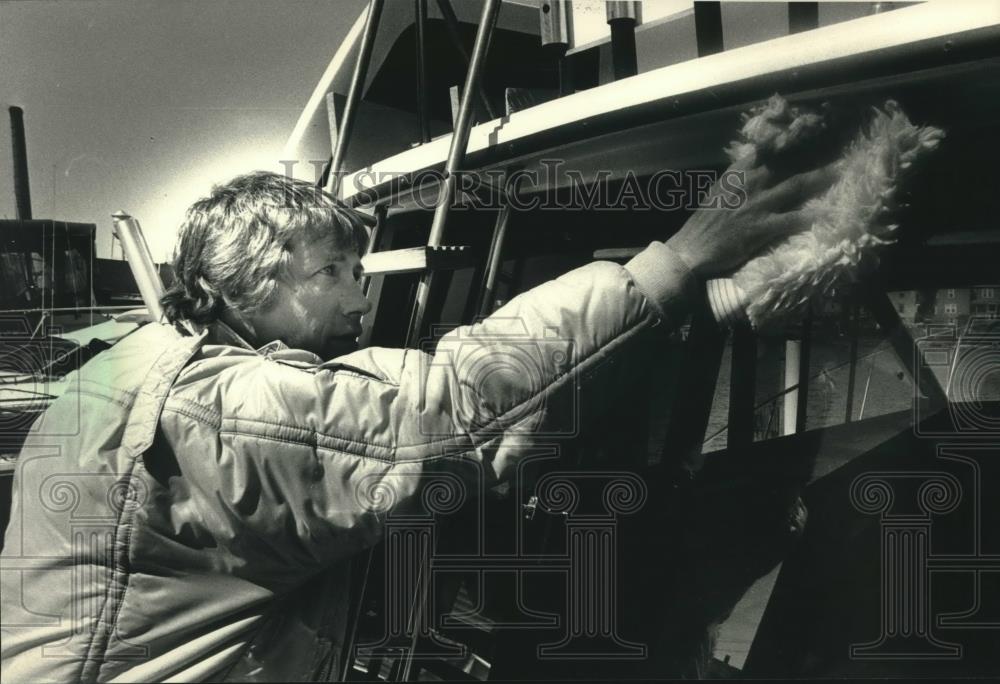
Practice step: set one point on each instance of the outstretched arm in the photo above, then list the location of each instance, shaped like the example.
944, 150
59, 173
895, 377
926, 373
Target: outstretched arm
327, 452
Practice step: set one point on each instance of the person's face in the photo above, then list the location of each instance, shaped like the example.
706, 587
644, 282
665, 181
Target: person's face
319, 304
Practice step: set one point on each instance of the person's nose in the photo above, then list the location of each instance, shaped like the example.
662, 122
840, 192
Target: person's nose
359, 304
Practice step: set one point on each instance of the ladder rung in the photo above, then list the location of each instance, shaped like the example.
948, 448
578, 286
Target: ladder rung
418, 259
616, 253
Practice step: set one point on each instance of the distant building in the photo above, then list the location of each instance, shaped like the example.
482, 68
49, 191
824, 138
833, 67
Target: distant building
952, 306
985, 301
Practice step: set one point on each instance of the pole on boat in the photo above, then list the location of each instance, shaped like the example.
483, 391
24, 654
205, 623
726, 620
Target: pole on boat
623, 16
804, 363
486, 303
140, 261
554, 28
456, 158
853, 355
796, 395
354, 95
708, 27
451, 22
791, 397
803, 16
420, 17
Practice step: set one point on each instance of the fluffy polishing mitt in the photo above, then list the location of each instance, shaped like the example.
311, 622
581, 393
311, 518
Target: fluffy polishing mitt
849, 221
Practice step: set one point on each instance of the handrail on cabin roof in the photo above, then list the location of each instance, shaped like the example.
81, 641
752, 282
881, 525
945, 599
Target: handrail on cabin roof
928, 27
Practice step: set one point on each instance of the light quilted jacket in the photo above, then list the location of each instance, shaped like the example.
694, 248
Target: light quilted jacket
186, 509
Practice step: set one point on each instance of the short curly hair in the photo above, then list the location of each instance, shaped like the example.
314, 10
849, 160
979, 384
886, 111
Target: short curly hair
235, 244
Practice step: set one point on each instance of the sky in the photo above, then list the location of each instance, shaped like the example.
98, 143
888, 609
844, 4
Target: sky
141, 106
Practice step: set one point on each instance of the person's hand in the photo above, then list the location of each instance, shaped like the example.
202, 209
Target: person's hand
717, 241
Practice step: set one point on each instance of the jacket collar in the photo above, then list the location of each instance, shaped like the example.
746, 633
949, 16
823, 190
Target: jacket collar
222, 334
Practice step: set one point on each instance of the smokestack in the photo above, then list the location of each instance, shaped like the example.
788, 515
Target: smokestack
22, 188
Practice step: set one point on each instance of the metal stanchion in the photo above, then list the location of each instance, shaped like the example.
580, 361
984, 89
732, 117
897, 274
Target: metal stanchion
354, 95
554, 28
133, 243
456, 157
420, 16
623, 16
451, 21
708, 27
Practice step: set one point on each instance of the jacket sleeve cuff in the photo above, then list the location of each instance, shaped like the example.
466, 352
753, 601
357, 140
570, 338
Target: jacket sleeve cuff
666, 281
727, 301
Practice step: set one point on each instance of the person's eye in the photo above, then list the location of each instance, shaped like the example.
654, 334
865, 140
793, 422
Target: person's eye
329, 269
